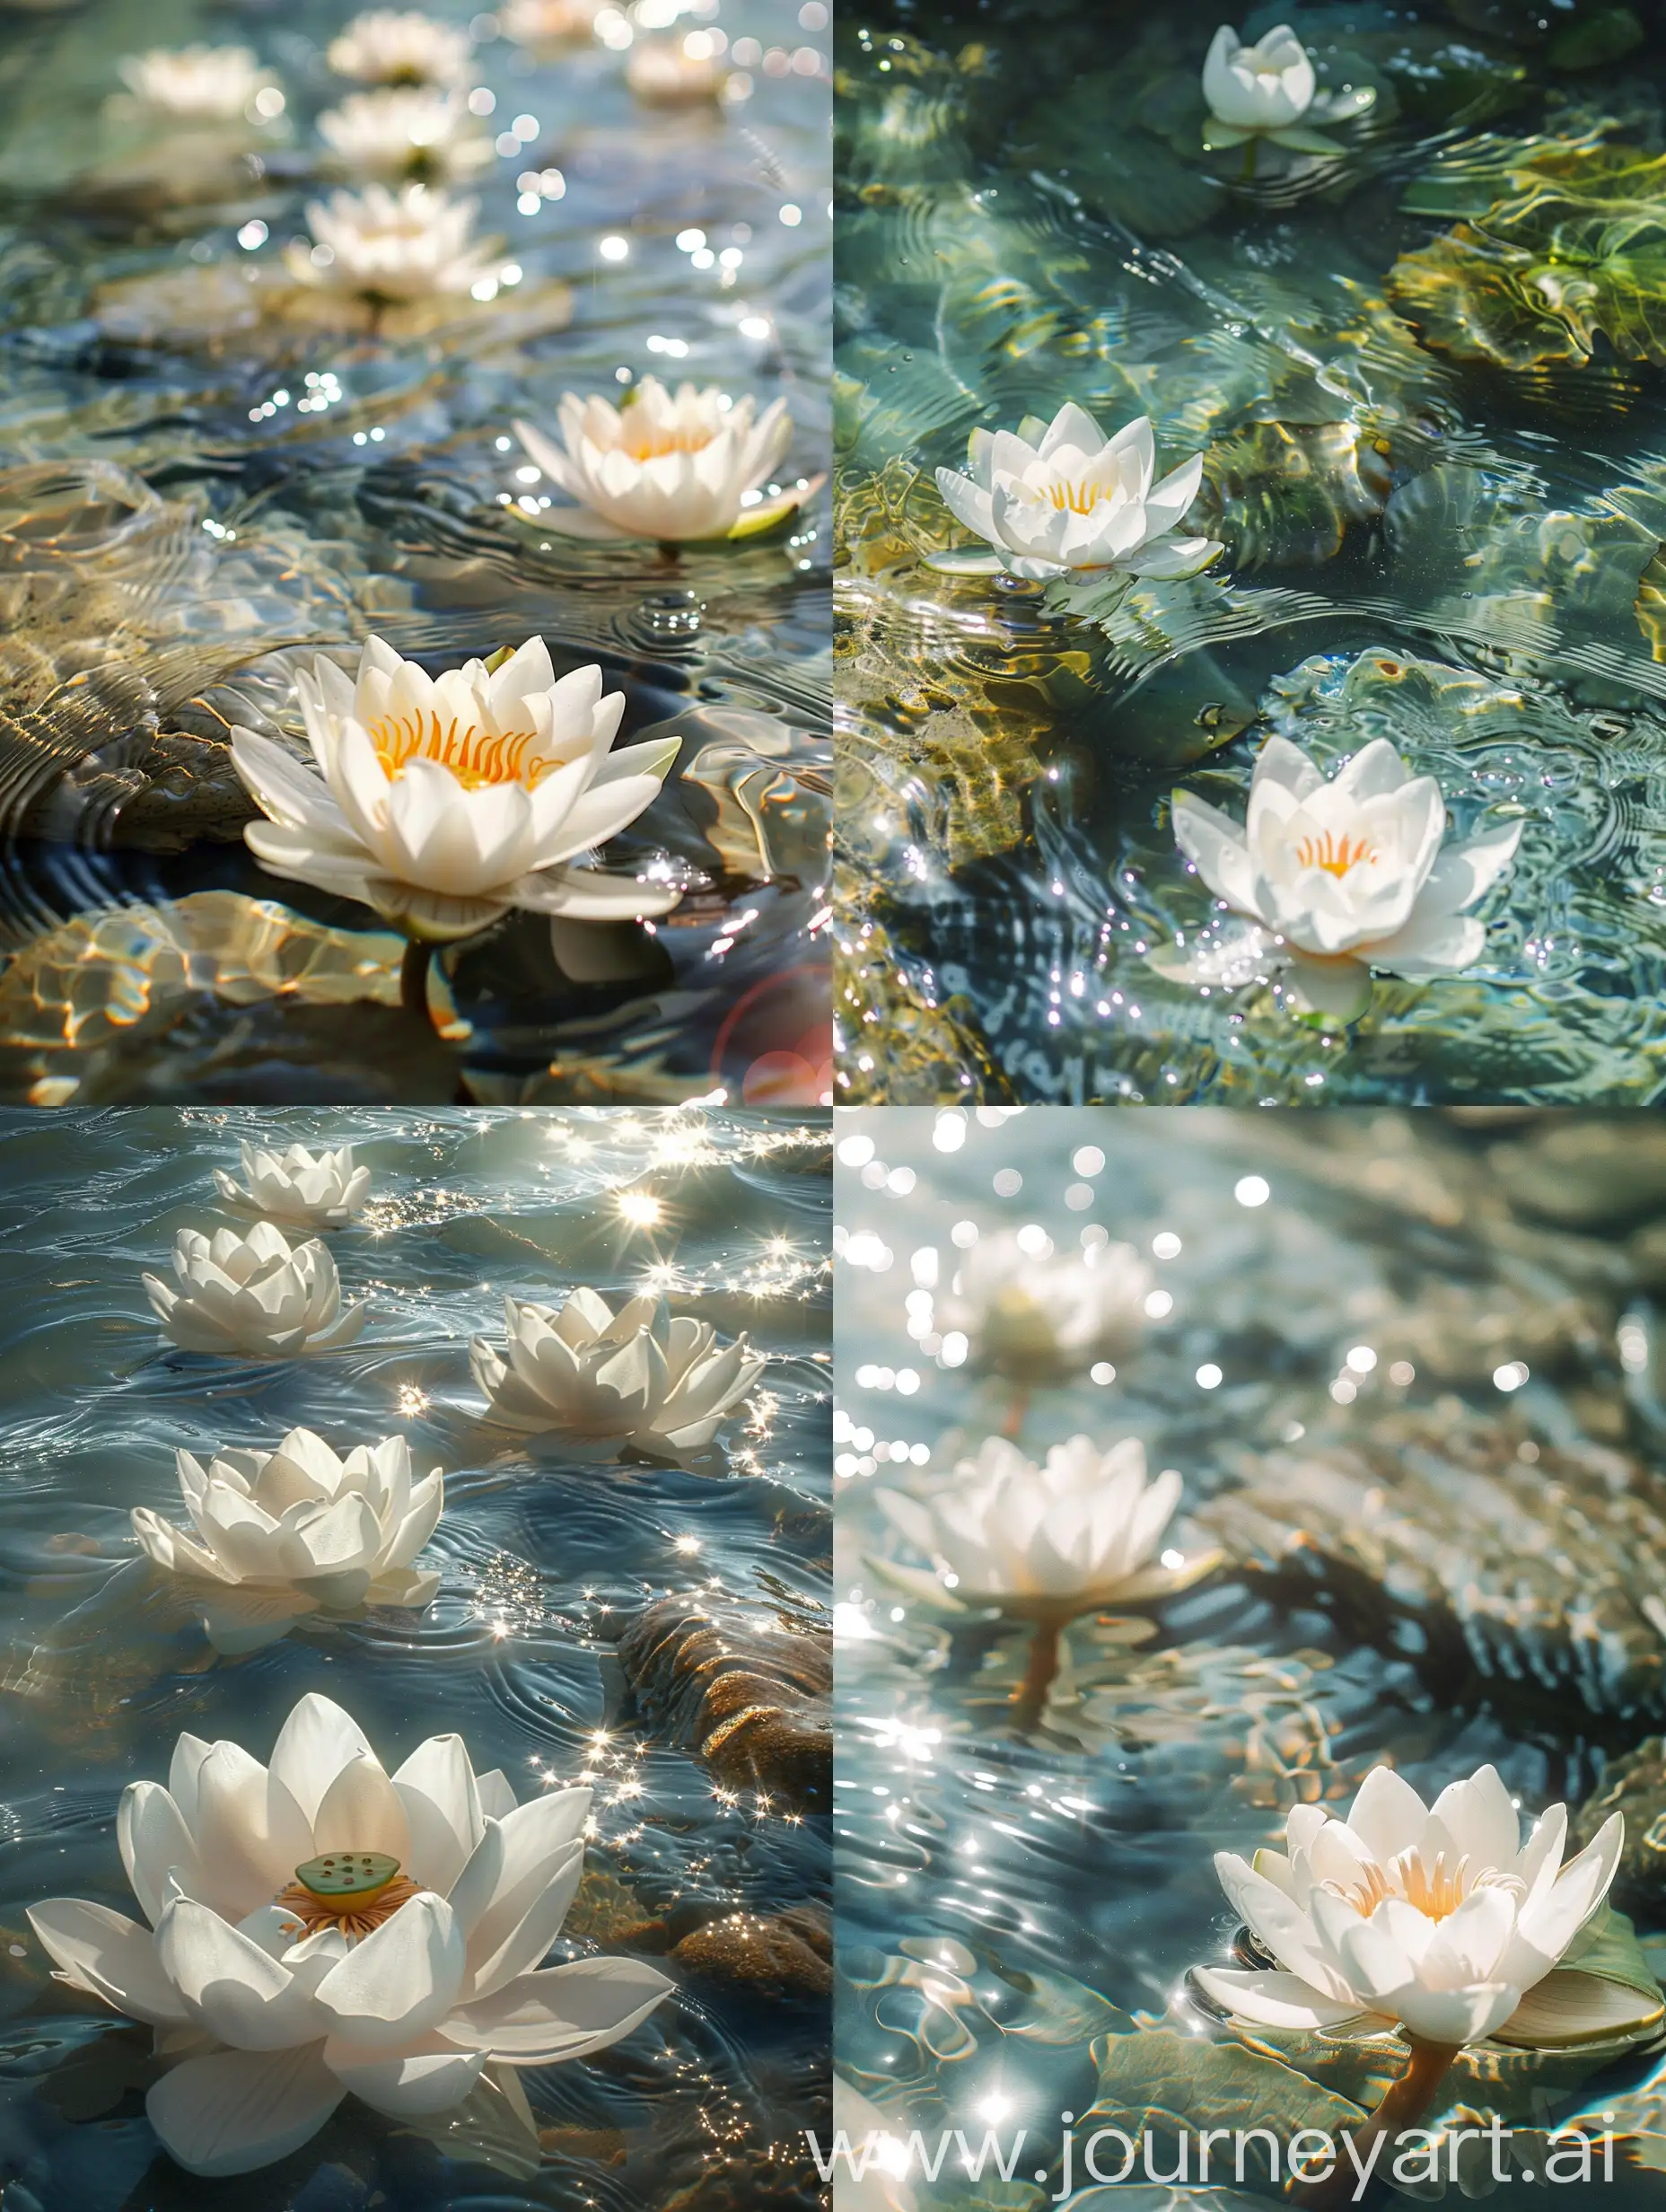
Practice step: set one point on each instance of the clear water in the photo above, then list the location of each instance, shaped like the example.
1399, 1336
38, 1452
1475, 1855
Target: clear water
542, 1563
1421, 543
1421, 1566
174, 532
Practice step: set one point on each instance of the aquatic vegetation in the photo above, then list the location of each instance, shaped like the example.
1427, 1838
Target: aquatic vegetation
1033, 1313
257, 1296
1383, 490
203, 84
383, 246
672, 468
1572, 249
298, 1188
1269, 90
276, 1536
1058, 498
1340, 877
412, 132
1436, 1917
676, 73
329, 1929
443, 803
1418, 1461
608, 1379
397, 46
308, 373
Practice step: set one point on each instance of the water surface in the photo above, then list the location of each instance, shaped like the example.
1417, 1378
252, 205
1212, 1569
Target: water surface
544, 1560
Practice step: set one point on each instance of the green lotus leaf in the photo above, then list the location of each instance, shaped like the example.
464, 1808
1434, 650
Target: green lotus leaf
1573, 252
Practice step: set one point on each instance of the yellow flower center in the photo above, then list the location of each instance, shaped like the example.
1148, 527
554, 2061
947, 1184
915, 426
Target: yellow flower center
352, 1891
1434, 1888
643, 442
474, 756
1336, 855
1077, 498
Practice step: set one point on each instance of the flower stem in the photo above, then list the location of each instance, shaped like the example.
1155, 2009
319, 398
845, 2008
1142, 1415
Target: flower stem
1030, 1698
1407, 2103
414, 976
1018, 1405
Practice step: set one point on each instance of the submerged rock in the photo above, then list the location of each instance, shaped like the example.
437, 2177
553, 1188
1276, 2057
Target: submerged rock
788, 1954
1438, 1538
747, 1693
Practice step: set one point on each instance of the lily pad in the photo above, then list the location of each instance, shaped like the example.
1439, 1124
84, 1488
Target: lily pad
1573, 253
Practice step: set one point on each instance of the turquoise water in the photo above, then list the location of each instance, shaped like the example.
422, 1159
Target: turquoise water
1439, 503
544, 1562
191, 497
1428, 1557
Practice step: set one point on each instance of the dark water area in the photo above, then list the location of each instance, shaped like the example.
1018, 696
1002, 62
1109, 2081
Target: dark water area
546, 1556
1421, 370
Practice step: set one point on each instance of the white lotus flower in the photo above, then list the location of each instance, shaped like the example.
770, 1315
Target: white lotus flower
1038, 1542
1039, 1315
277, 1535
1269, 89
671, 468
676, 73
1343, 876
202, 84
549, 23
397, 46
406, 131
613, 1378
444, 802
319, 1927
385, 246
1060, 497
301, 1189
1440, 1918
253, 1297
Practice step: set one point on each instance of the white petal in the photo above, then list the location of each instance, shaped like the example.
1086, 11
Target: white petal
400, 1981
238, 2110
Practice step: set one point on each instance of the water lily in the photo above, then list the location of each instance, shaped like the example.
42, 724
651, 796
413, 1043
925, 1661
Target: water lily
442, 801
301, 1189
1060, 498
676, 73
1078, 1532
549, 23
1035, 1314
1441, 1919
397, 46
667, 467
277, 1535
1269, 90
203, 84
387, 247
1343, 876
409, 132
319, 1927
253, 1297
612, 1378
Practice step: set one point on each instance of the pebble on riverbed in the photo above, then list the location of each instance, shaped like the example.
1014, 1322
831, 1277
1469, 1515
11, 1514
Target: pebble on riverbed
750, 1700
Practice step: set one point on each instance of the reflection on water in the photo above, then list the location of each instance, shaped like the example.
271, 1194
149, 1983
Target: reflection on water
548, 1646
1409, 1367
212, 462
1420, 371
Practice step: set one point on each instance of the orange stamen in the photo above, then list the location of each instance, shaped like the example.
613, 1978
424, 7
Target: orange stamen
474, 756
646, 444
1336, 855
353, 1916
